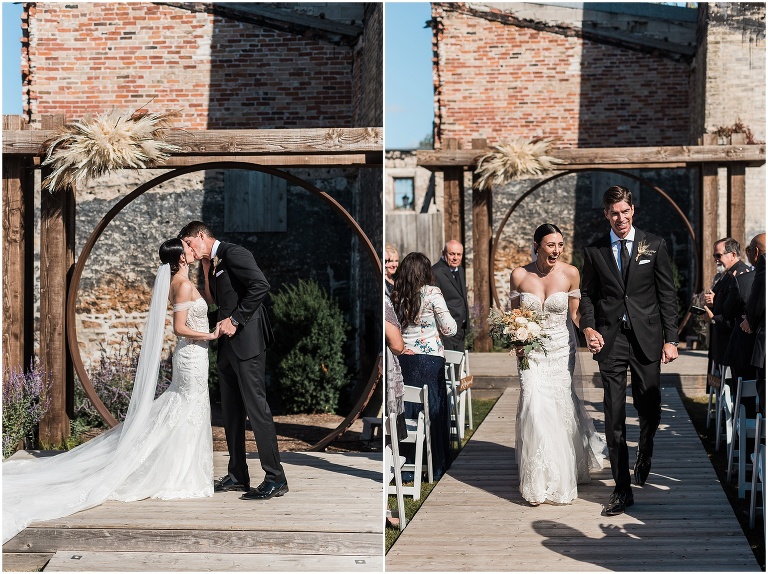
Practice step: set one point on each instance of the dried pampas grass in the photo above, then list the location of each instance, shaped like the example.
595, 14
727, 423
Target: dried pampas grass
516, 158
93, 147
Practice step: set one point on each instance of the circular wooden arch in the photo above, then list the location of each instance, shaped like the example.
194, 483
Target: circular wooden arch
74, 349
640, 180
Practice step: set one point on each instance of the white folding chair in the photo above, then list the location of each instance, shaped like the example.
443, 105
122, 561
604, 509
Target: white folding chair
723, 408
457, 401
713, 395
419, 435
393, 467
743, 429
466, 373
758, 475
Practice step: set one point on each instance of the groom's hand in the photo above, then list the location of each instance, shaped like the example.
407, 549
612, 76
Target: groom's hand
226, 327
668, 353
594, 339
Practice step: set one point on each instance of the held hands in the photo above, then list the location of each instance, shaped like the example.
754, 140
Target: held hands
668, 353
216, 332
226, 327
595, 340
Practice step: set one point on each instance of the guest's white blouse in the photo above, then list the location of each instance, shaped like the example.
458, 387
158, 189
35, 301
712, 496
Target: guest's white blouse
433, 319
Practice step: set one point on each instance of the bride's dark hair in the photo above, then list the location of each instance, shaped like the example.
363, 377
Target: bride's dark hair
414, 271
171, 252
543, 230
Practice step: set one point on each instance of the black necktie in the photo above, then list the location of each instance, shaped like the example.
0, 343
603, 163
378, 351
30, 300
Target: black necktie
455, 273
624, 260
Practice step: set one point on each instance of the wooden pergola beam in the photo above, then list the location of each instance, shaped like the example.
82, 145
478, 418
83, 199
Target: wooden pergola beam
634, 157
329, 142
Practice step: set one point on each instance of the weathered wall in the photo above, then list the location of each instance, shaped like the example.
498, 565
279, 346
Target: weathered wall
497, 80
86, 58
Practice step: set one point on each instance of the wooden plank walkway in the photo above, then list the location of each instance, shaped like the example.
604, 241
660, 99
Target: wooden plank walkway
476, 520
331, 520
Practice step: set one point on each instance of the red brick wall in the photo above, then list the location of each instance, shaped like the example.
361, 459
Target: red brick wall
499, 81
89, 57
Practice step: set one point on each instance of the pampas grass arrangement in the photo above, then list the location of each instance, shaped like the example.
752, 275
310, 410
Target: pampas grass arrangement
514, 159
93, 147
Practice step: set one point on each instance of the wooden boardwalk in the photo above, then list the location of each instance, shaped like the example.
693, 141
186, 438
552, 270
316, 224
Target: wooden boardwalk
476, 520
331, 520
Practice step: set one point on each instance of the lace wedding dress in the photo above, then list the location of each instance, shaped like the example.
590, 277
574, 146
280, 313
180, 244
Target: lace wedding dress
556, 445
163, 449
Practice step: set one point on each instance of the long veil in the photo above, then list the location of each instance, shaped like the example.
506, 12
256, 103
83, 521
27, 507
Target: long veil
86, 476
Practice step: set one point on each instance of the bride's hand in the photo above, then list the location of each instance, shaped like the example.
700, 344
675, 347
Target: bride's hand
216, 332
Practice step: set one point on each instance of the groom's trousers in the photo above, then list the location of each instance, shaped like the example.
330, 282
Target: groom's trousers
646, 397
243, 392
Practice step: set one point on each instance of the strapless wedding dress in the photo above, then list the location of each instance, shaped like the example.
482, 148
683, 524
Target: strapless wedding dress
556, 444
169, 455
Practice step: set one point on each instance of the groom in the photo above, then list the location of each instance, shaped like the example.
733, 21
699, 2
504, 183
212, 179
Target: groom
629, 318
238, 287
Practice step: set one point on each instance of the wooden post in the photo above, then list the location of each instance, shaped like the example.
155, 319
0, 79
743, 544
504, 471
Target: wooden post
481, 256
17, 294
453, 198
737, 196
709, 216
54, 266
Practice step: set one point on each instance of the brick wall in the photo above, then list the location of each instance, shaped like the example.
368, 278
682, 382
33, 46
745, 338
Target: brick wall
494, 80
85, 58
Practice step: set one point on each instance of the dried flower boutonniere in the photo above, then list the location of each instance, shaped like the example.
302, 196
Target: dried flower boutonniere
642, 249
216, 261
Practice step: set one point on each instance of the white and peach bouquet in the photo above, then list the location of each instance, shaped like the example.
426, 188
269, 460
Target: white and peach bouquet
520, 328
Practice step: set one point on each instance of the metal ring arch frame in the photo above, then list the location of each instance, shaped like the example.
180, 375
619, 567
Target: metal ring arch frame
99, 229
640, 180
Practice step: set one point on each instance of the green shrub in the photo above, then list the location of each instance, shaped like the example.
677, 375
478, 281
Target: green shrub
310, 332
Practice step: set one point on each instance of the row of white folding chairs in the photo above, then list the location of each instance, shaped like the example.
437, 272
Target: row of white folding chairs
742, 429
459, 402
419, 435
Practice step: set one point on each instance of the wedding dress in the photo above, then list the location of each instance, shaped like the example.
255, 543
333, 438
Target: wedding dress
163, 449
556, 445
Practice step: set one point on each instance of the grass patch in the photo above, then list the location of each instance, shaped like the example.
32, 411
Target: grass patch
480, 409
697, 411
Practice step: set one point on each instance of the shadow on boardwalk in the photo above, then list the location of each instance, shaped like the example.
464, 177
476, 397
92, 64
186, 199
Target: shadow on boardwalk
476, 520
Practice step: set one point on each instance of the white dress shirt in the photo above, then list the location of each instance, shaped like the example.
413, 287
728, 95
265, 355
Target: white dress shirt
616, 247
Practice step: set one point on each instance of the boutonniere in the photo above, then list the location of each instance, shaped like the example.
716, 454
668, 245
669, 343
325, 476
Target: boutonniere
216, 261
642, 249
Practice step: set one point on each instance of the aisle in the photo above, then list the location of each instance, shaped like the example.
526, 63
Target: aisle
475, 519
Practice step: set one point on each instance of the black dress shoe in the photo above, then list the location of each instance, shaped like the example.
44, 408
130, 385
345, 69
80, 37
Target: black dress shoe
266, 490
227, 483
642, 468
618, 503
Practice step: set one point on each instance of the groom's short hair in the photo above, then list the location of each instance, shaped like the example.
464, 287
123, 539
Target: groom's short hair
193, 228
616, 194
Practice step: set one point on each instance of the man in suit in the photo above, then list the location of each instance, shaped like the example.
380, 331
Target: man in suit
629, 318
238, 287
726, 252
754, 321
450, 278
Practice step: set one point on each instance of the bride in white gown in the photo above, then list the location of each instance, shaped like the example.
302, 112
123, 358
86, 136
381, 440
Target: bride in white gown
556, 446
163, 449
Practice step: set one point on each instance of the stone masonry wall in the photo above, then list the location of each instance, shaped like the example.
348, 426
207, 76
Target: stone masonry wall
496, 81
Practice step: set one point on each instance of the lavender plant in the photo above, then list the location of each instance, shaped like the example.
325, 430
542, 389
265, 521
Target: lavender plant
112, 379
26, 399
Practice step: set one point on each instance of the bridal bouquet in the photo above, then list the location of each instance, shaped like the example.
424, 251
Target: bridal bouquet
520, 328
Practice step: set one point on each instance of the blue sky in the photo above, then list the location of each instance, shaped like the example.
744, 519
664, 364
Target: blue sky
11, 58
408, 97
408, 70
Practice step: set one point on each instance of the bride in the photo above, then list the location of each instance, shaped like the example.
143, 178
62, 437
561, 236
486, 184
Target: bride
556, 444
163, 449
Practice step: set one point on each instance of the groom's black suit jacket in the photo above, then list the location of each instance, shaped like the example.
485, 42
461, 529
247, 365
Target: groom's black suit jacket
648, 298
239, 288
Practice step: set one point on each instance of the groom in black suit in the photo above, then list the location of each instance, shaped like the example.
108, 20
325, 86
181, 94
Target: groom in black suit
629, 318
238, 287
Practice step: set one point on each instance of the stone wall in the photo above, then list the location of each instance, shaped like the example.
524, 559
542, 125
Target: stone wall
223, 74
